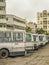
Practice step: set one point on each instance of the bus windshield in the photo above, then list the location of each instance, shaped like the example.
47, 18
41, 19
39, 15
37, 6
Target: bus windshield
28, 37
41, 38
34, 37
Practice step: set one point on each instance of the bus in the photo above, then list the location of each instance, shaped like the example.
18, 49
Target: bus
42, 39
29, 45
35, 40
12, 43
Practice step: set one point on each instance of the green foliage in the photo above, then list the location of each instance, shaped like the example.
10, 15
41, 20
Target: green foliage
40, 31
46, 33
28, 29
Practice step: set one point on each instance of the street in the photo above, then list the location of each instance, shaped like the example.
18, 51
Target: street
38, 57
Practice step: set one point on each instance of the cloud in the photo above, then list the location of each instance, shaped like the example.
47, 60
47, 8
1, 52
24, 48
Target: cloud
26, 8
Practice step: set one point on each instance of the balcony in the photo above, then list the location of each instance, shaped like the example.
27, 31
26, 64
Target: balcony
2, 3
2, 12
20, 24
2, 20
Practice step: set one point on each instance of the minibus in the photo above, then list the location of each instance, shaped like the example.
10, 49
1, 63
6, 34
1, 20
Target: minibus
12, 43
42, 39
29, 45
35, 40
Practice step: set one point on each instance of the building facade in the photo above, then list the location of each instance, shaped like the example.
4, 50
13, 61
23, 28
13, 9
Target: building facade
2, 15
14, 22
32, 26
43, 20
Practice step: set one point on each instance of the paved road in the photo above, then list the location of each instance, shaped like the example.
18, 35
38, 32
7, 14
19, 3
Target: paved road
40, 57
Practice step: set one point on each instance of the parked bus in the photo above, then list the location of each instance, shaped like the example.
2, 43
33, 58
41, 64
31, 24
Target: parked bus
35, 41
42, 39
17, 42
29, 44
12, 43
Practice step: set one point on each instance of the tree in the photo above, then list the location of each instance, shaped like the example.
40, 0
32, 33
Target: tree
40, 31
47, 33
28, 29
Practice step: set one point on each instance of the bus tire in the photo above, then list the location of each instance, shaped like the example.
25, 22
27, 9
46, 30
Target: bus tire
4, 53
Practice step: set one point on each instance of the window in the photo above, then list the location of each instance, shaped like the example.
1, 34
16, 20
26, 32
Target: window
2, 8
28, 37
40, 14
2, 24
18, 37
45, 22
45, 27
34, 37
44, 14
45, 19
8, 37
2, 0
6, 18
1, 36
41, 38
2, 16
10, 26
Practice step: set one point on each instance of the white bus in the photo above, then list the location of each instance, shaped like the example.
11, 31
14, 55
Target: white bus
29, 45
12, 43
35, 41
42, 39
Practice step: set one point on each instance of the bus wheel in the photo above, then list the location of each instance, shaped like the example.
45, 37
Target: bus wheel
4, 53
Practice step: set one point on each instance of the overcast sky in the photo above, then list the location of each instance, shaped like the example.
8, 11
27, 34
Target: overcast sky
26, 8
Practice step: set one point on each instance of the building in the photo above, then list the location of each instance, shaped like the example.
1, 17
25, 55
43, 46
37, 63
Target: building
32, 26
9, 22
14, 22
43, 20
2, 15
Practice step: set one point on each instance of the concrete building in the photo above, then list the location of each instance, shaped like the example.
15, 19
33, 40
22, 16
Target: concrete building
32, 26
43, 20
2, 15
14, 22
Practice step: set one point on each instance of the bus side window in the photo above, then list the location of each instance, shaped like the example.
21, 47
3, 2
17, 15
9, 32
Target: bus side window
8, 37
18, 37
1, 36
28, 37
